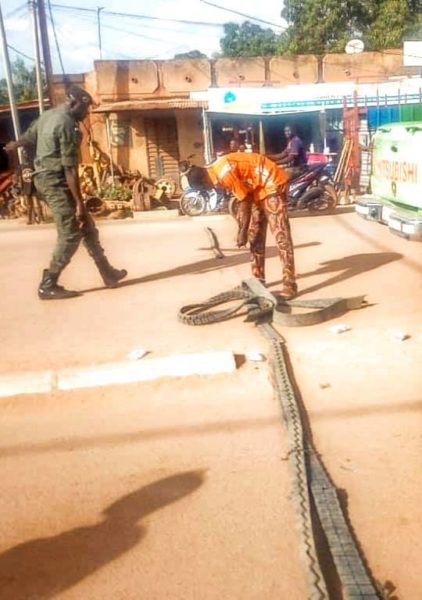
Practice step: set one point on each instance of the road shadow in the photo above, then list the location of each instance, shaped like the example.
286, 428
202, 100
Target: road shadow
349, 266
201, 266
340, 210
45, 567
374, 242
112, 440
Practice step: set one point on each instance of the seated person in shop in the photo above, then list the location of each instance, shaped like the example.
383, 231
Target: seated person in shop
260, 188
236, 146
233, 145
293, 158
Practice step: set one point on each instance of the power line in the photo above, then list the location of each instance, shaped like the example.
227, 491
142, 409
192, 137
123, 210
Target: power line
135, 34
55, 37
121, 30
19, 19
128, 31
93, 13
18, 9
137, 16
235, 12
92, 19
21, 53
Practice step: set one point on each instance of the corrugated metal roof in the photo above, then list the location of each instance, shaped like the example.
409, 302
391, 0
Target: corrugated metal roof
150, 104
28, 104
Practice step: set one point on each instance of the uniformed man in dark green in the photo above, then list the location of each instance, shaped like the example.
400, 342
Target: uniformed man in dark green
55, 135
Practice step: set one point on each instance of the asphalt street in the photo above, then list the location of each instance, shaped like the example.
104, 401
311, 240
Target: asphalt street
179, 488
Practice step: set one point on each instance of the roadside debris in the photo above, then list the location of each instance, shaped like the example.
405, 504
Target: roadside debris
137, 354
347, 469
401, 336
255, 356
339, 328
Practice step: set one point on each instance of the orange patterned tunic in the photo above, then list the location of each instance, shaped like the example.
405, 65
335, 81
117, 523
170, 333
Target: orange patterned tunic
247, 174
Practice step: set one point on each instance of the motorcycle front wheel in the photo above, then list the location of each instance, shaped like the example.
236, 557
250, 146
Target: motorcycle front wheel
193, 203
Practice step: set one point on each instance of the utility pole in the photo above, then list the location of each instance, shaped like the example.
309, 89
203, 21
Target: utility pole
46, 50
8, 71
99, 9
34, 12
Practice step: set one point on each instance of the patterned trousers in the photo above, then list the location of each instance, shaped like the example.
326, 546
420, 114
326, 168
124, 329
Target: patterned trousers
253, 219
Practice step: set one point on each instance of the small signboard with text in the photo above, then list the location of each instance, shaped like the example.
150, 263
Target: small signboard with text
312, 97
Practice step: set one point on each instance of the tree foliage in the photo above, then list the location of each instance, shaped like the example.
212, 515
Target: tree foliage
395, 21
191, 54
24, 83
321, 26
248, 39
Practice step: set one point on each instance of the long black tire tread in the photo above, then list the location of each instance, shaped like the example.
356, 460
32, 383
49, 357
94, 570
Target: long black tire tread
310, 477
201, 313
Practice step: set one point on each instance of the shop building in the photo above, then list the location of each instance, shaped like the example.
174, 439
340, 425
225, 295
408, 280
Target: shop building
151, 114
322, 114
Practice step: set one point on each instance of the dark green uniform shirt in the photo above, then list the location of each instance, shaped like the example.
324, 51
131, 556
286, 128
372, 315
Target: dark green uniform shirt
56, 137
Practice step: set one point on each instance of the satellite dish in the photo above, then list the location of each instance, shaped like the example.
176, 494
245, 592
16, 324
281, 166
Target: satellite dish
354, 46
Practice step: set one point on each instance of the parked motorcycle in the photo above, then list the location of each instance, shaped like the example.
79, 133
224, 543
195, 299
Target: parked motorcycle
313, 190
197, 202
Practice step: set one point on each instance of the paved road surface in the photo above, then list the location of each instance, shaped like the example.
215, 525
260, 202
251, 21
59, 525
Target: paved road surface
179, 489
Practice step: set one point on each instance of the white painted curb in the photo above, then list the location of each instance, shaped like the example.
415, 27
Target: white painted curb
178, 365
26, 383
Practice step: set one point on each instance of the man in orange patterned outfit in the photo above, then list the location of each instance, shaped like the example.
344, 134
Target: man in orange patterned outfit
261, 189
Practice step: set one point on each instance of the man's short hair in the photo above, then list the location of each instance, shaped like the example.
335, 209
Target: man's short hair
77, 93
198, 178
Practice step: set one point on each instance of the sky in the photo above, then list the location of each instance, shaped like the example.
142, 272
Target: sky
129, 37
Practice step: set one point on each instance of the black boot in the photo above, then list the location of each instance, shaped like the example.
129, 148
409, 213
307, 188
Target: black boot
110, 275
49, 290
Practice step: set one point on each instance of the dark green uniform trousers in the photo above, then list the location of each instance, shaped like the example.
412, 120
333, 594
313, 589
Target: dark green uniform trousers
56, 193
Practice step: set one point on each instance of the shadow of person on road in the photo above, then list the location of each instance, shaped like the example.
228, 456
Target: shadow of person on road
349, 266
239, 257
45, 567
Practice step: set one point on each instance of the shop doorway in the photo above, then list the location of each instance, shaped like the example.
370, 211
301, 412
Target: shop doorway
319, 130
245, 131
162, 148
